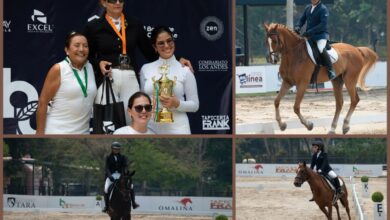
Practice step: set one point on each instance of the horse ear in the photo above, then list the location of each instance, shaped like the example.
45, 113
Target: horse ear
132, 173
265, 26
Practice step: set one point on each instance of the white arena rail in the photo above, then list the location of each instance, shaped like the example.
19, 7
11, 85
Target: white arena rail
356, 200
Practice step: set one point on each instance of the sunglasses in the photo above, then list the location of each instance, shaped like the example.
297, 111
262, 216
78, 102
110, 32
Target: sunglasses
115, 1
140, 108
170, 42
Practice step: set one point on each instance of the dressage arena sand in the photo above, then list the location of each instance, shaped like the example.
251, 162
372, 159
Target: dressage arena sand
259, 198
260, 109
86, 216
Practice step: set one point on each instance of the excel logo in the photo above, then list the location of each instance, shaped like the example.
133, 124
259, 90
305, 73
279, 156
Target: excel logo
39, 24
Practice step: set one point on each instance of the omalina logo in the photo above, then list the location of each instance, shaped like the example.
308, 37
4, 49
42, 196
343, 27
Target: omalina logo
185, 201
39, 16
258, 167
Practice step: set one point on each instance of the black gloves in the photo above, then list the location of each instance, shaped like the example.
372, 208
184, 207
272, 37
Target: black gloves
111, 178
297, 30
306, 34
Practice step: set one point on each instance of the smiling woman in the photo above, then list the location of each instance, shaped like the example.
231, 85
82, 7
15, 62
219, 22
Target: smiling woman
69, 91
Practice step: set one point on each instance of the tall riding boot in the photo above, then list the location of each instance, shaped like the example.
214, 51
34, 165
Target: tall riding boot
135, 205
328, 64
338, 187
105, 202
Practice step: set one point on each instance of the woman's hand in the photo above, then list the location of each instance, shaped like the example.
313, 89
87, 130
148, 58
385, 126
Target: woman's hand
169, 101
186, 63
102, 65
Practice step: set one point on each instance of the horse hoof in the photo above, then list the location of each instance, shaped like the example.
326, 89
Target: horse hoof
331, 132
310, 126
345, 130
283, 126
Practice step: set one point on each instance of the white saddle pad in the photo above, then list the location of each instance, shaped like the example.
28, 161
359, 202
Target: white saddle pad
332, 53
331, 185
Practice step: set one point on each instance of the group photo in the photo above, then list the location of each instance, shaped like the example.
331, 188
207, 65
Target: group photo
82, 67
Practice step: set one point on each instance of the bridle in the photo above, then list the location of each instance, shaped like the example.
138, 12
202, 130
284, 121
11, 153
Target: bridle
271, 35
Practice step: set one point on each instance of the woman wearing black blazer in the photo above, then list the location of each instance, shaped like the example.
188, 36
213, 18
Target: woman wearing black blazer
113, 39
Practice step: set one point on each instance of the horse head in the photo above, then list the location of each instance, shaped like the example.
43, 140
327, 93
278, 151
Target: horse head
302, 174
278, 36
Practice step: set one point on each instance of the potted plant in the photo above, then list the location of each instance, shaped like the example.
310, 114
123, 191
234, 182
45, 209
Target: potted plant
379, 213
366, 192
221, 217
99, 202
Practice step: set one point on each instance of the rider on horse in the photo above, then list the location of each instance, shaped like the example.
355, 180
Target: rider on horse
116, 164
320, 161
316, 16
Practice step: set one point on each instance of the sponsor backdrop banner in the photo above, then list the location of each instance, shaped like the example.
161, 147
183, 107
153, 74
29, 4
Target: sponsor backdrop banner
262, 79
289, 170
208, 206
34, 41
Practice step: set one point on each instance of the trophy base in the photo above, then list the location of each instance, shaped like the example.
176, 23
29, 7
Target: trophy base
165, 117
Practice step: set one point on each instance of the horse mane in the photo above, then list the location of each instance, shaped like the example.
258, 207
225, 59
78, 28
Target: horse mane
277, 25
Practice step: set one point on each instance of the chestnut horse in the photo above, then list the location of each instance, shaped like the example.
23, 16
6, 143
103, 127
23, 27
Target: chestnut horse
322, 193
296, 68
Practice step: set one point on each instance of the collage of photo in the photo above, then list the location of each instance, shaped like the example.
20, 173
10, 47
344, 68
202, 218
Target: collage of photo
196, 110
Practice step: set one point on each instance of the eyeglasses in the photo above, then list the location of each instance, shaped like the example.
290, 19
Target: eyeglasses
170, 42
115, 1
140, 108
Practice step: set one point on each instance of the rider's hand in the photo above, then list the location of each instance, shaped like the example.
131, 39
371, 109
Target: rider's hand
111, 178
306, 34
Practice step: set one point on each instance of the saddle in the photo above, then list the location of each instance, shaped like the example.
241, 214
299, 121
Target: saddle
315, 56
331, 184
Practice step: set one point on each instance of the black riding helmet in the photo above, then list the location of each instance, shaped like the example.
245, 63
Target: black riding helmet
319, 144
116, 145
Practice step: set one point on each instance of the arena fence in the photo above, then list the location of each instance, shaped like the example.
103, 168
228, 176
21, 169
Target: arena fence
358, 207
184, 206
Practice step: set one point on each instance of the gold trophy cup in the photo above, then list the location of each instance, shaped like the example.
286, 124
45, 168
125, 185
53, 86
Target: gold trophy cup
164, 86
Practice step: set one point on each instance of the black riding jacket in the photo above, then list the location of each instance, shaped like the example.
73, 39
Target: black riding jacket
115, 163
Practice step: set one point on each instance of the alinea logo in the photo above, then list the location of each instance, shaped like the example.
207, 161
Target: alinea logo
215, 122
211, 28
40, 23
7, 26
251, 80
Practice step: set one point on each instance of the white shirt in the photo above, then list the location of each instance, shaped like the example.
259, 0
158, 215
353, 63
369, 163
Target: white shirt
185, 86
130, 130
70, 111
313, 7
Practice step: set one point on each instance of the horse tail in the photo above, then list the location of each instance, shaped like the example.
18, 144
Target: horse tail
370, 58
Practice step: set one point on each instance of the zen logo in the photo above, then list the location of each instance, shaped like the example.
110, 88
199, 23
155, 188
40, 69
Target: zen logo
211, 28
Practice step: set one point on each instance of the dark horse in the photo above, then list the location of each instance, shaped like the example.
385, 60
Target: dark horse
322, 193
120, 200
296, 68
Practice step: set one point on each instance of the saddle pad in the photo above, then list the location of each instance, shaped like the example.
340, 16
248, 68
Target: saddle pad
332, 54
331, 185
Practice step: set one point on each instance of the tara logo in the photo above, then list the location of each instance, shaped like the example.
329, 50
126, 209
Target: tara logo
39, 16
185, 201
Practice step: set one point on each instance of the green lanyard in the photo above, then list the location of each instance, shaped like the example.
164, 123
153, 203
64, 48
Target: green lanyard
83, 88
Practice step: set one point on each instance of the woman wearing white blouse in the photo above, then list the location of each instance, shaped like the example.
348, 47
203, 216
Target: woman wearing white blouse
185, 90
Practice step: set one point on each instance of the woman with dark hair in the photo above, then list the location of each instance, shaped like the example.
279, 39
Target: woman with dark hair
139, 109
69, 91
113, 41
185, 98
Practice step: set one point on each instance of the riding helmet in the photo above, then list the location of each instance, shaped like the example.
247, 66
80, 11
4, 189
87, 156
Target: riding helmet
116, 145
319, 144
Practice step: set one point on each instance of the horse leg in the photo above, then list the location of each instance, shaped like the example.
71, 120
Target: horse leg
338, 94
298, 99
330, 211
351, 87
337, 209
324, 211
344, 202
283, 90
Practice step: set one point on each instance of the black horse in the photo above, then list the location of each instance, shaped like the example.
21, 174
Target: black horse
120, 198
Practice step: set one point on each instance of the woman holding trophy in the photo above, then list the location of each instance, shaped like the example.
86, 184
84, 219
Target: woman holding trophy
172, 86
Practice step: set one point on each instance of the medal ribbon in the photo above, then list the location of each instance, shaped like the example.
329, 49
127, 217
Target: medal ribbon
156, 101
121, 36
75, 72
